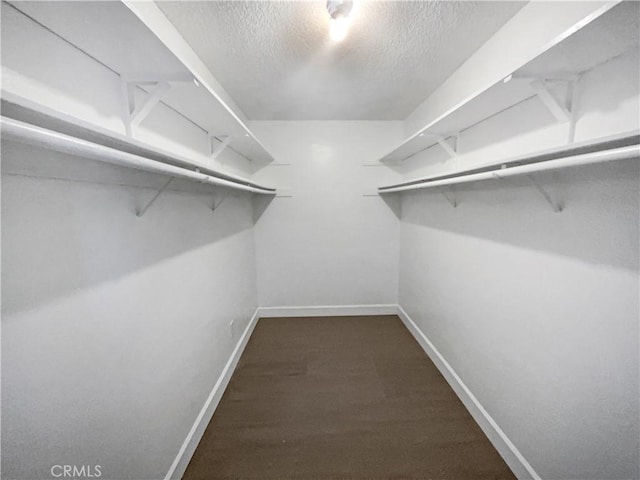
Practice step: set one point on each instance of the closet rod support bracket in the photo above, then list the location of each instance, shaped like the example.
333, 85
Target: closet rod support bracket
554, 203
451, 198
143, 210
215, 205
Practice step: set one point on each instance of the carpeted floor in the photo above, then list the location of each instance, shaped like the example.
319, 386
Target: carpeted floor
341, 398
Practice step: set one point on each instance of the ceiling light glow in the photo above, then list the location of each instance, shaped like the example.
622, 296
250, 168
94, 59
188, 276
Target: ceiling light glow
338, 29
339, 11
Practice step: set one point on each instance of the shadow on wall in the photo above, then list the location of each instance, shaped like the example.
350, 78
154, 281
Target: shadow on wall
599, 223
260, 204
62, 235
394, 202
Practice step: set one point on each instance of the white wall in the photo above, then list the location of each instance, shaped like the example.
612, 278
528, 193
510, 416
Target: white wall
327, 244
114, 328
537, 311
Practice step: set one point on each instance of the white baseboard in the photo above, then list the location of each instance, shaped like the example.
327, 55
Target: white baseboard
190, 443
328, 311
516, 461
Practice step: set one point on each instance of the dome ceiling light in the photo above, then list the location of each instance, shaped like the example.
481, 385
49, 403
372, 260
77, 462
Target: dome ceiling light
339, 11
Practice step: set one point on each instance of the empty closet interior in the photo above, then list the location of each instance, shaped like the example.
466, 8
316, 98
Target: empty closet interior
173, 172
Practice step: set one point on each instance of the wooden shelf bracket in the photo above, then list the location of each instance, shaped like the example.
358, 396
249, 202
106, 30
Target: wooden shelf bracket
155, 86
222, 141
451, 151
561, 110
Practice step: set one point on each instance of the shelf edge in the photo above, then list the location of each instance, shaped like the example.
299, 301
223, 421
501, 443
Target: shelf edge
21, 132
615, 147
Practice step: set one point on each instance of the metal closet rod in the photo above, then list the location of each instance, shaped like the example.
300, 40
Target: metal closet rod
621, 153
42, 137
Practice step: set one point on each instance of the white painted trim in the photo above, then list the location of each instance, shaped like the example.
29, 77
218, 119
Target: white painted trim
328, 311
505, 447
190, 443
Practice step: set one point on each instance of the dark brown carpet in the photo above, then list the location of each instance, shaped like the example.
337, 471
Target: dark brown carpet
341, 398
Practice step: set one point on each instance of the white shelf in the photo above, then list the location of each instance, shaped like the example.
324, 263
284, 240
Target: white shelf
30, 134
38, 116
111, 36
493, 101
615, 147
587, 48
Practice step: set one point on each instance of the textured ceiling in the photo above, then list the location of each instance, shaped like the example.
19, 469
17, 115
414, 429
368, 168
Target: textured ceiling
278, 63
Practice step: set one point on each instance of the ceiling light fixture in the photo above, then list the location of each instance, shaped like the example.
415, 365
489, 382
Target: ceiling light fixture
339, 11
